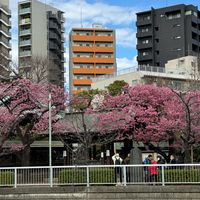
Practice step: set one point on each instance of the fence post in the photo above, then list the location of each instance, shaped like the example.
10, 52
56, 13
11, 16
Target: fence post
163, 175
124, 172
88, 177
15, 178
51, 176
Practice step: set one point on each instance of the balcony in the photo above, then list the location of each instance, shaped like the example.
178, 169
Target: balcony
24, 53
5, 10
142, 22
5, 20
6, 33
25, 21
93, 70
92, 49
25, 32
53, 36
92, 60
92, 38
24, 11
53, 25
146, 57
144, 46
144, 34
25, 43
5, 44
82, 81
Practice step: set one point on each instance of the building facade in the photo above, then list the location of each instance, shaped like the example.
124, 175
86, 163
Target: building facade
41, 42
5, 37
92, 54
167, 33
173, 75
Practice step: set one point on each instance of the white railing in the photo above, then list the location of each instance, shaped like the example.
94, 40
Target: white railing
101, 175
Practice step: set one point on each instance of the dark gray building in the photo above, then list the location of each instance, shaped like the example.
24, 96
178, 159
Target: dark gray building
167, 33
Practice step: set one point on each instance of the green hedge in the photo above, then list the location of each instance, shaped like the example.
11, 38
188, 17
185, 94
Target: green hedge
180, 175
77, 175
6, 178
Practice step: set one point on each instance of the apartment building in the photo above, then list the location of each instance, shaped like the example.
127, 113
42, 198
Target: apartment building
92, 54
167, 33
5, 37
41, 40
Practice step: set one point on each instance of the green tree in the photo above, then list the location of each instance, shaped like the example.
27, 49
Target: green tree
116, 87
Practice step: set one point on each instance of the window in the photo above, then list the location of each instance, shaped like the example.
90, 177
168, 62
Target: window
91, 56
78, 55
157, 52
145, 53
162, 15
144, 30
147, 17
87, 45
157, 40
173, 16
156, 28
145, 41
176, 25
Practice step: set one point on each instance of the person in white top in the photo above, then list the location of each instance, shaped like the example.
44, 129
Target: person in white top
118, 171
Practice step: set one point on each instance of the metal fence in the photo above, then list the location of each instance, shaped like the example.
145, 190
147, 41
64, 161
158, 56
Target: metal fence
101, 175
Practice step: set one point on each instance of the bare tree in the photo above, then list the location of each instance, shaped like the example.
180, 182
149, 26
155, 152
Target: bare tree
36, 68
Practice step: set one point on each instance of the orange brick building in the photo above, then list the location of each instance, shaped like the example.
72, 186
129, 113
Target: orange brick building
92, 54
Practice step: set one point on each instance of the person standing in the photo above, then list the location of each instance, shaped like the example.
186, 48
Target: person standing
153, 170
146, 169
127, 162
117, 160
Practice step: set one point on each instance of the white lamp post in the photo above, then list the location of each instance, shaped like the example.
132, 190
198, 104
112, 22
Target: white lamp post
50, 141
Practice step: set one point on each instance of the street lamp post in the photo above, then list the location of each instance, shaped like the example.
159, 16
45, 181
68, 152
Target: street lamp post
50, 142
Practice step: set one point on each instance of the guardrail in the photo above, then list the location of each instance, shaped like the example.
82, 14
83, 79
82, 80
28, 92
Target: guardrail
164, 174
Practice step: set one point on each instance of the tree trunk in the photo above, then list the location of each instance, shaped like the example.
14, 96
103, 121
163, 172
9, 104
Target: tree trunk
187, 156
25, 159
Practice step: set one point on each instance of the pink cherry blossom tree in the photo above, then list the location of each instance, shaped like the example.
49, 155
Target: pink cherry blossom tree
24, 113
152, 114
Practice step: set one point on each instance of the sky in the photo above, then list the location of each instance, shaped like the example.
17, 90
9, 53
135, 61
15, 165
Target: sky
116, 14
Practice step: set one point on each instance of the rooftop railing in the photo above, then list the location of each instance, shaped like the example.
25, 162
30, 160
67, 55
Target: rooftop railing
131, 69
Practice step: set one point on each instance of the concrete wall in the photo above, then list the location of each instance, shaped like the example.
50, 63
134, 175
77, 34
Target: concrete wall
183, 65
133, 192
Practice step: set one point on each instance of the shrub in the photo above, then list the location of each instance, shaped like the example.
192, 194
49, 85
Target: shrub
79, 175
185, 175
6, 178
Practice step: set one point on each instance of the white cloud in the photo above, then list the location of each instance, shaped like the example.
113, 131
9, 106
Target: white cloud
124, 63
126, 37
79, 12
